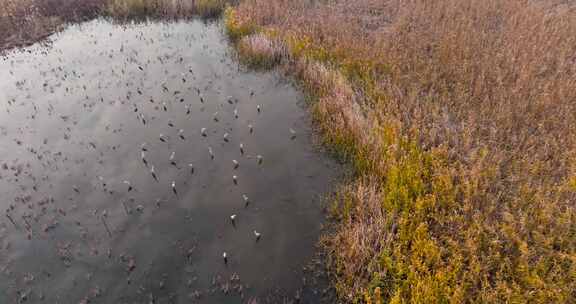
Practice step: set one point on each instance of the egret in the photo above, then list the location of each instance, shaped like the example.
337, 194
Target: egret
174, 188
260, 159
242, 148
258, 108
293, 134
235, 179
191, 166
246, 200
225, 137
257, 235
225, 257
172, 161
143, 155
211, 152
236, 164
236, 113
162, 139
153, 173
203, 132
251, 129
129, 185
233, 219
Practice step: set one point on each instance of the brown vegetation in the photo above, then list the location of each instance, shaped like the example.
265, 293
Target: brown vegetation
26, 21
458, 117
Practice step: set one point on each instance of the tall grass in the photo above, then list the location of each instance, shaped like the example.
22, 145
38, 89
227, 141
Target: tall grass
458, 117
164, 8
26, 21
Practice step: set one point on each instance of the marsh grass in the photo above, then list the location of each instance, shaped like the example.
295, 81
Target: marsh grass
458, 119
260, 51
24, 22
164, 8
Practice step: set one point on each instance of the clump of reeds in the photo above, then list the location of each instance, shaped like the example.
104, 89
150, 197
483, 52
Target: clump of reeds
165, 8
259, 50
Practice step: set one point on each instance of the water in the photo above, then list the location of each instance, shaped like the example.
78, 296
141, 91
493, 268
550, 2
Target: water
73, 119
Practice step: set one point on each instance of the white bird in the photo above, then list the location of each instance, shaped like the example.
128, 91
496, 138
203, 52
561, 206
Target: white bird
102, 181
172, 161
143, 155
162, 139
257, 235
246, 200
211, 152
258, 108
233, 219
191, 166
153, 173
242, 148
203, 132
236, 113
215, 117
235, 179
143, 147
236, 164
181, 134
293, 133
225, 257
129, 185
260, 159
250, 128
164, 107
225, 137
174, 187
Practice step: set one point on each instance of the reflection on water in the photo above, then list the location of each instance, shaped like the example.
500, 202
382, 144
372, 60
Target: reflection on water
133, 157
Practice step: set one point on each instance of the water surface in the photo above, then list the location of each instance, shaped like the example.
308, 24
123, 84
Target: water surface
84, 219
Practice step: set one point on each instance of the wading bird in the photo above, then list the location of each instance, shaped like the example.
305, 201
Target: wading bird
174, 188
129, 185
246, 200
153, 173
211, 153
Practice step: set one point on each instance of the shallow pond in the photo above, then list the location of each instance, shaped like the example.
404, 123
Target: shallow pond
85, 218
